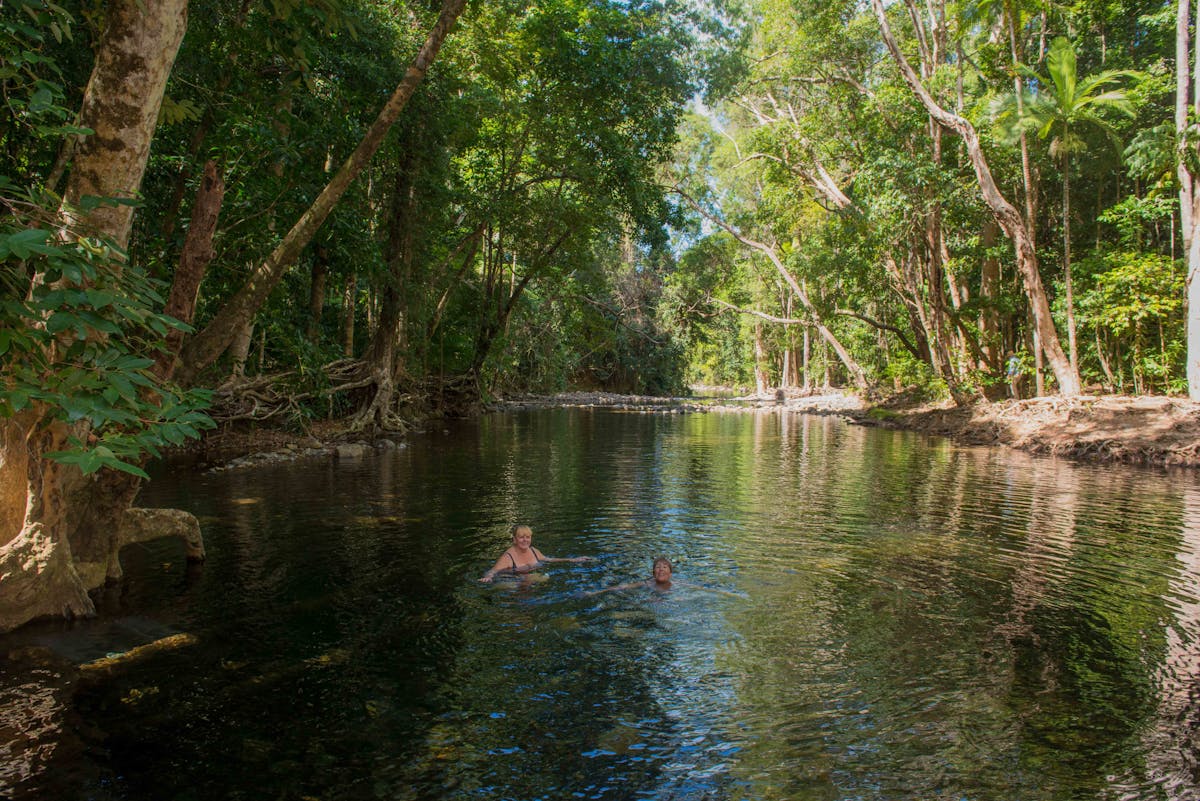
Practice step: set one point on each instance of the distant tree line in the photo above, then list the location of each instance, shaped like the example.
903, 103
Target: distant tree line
918, 194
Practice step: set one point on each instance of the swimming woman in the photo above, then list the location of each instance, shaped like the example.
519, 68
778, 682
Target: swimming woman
521, 557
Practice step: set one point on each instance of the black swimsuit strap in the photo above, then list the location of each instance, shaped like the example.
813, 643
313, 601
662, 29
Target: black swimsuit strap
511, 559
538, 554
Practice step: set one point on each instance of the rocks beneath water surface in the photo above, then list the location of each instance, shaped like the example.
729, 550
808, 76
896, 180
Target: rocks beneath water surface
310, 449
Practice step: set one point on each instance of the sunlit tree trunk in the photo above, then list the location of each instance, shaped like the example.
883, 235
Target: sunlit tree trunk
760, 361
239, 351
1187, 96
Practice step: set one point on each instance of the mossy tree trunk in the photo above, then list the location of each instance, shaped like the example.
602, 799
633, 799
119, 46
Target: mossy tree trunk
47, 564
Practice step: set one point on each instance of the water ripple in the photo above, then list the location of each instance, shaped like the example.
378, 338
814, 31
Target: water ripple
860, 614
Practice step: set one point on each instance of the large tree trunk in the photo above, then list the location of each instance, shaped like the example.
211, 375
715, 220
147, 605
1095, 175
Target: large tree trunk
383, 359
121, 103
38, 570
193, 263
239, 310
1187, 93
318, 277
1006, 215
100, 517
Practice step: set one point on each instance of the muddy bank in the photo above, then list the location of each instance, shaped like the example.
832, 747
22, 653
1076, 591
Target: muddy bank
231, 448
1148, 430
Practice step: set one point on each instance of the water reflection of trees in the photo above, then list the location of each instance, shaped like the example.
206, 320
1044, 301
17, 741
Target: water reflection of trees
1171, 737
915, 620
956, 617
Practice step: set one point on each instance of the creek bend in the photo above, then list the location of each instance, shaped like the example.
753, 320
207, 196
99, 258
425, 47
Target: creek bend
875, 615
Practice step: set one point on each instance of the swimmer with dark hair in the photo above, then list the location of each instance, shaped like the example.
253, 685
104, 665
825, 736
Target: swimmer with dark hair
661, 571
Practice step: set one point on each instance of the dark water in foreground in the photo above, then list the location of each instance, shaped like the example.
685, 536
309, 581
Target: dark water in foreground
878, 616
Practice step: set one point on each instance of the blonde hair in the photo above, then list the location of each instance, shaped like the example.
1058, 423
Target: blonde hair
517, 529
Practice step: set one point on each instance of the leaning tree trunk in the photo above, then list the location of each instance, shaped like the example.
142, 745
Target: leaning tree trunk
193, 264
1006, 215
207, 346
39, 574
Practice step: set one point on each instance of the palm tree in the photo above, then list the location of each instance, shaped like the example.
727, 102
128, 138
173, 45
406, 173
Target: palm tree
1057, 106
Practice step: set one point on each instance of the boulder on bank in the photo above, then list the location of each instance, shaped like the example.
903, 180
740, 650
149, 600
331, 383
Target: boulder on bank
350, 450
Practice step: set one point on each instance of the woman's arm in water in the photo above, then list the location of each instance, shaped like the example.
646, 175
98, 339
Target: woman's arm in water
543, 558
499, 567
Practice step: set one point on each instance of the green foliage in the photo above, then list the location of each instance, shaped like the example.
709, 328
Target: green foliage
1150, 154
1132, 289
33, 86
818, 109
1134, 216
548, 125
79, 328
78, 333
30, 79
1132, 302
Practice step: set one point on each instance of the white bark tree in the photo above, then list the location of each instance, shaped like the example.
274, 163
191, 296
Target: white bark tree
1187, 104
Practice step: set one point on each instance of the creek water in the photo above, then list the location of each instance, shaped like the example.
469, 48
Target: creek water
859, 614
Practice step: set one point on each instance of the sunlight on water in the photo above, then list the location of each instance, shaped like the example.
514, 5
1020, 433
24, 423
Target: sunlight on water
860, 614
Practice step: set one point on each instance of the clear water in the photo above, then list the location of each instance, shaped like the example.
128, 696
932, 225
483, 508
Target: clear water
871, 615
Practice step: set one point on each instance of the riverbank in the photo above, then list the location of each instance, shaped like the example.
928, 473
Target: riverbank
1147, 430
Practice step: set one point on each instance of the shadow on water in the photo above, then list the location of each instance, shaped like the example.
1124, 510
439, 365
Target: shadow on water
872, 615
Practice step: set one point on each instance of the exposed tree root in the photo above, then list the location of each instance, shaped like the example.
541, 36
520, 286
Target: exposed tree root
383, 404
